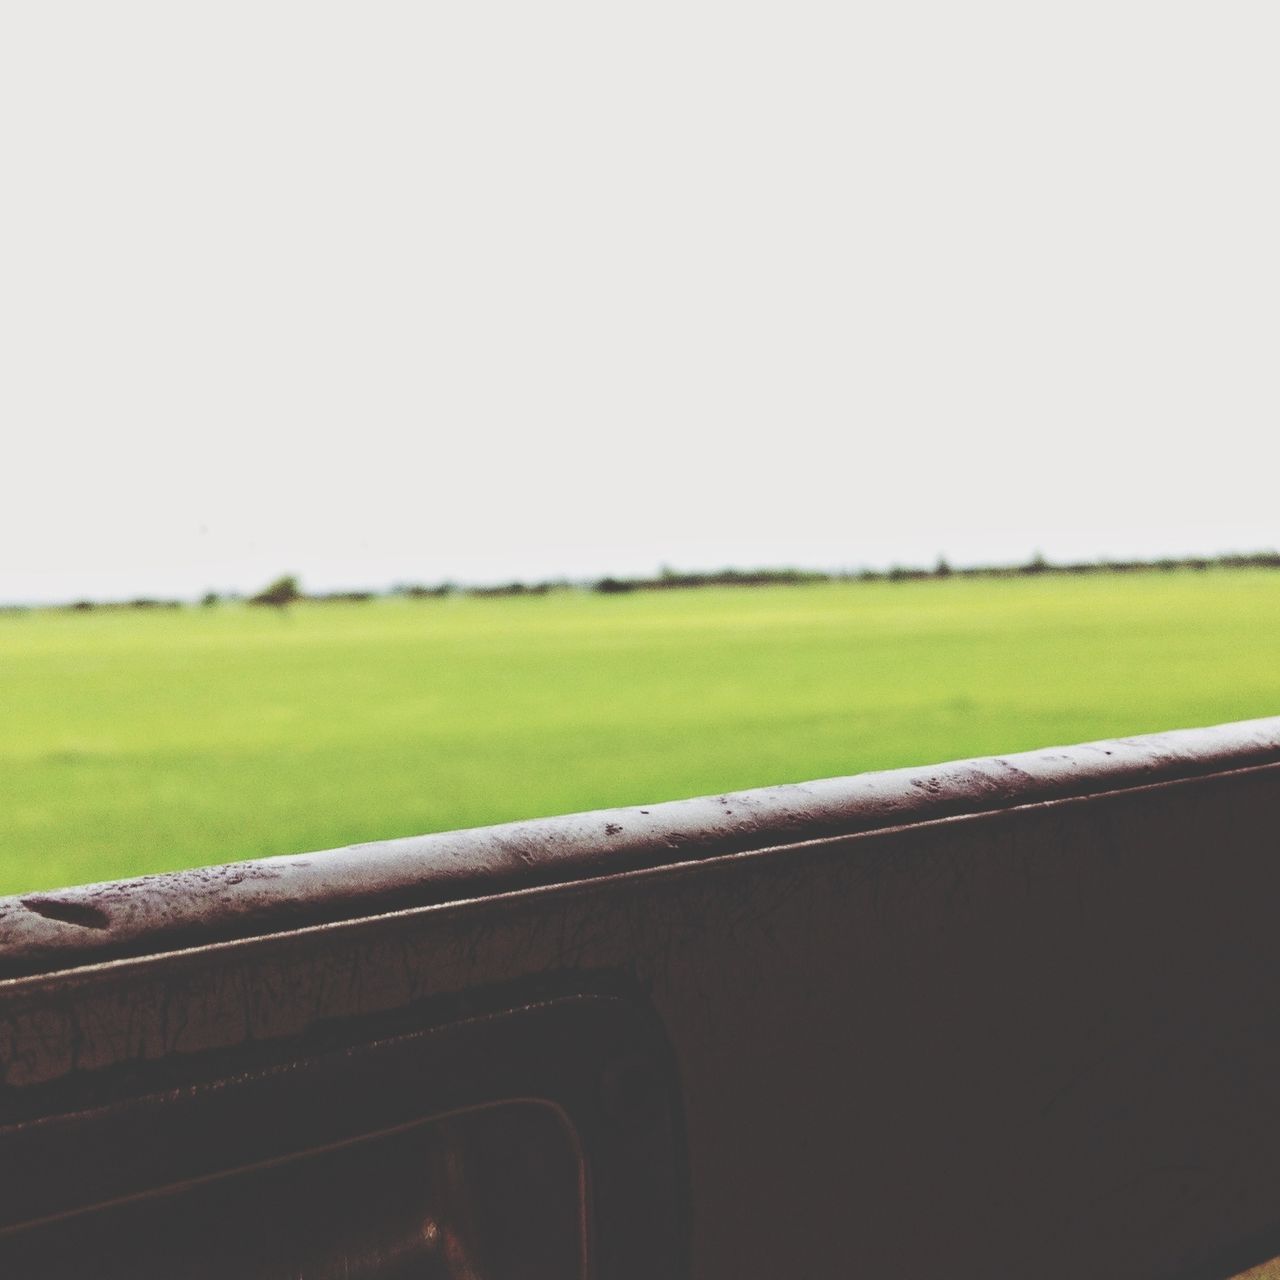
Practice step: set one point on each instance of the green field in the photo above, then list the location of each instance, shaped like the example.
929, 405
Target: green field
135, 741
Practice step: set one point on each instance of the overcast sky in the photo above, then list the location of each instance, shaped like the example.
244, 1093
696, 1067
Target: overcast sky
376, 292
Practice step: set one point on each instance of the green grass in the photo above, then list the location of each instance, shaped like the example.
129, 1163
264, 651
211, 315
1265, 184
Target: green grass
140, 741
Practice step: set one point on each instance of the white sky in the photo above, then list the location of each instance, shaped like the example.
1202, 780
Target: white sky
377, 291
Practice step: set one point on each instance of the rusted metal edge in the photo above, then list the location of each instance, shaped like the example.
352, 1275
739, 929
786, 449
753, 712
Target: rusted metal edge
66, 928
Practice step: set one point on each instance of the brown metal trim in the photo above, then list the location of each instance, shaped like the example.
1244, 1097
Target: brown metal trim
52, 931
1036, 1038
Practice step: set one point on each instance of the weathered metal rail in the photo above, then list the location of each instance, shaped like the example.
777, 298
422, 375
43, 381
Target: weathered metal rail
1005, 1017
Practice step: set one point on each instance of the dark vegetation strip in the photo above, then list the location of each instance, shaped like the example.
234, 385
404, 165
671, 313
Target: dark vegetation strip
287, 590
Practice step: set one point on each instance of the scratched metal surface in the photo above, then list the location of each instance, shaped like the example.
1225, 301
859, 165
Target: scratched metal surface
1001, 1017
40, 932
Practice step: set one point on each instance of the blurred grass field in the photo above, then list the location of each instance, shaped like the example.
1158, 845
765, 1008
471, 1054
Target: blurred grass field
136, 741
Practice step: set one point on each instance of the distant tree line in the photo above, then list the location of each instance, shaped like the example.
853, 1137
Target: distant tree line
287, 590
